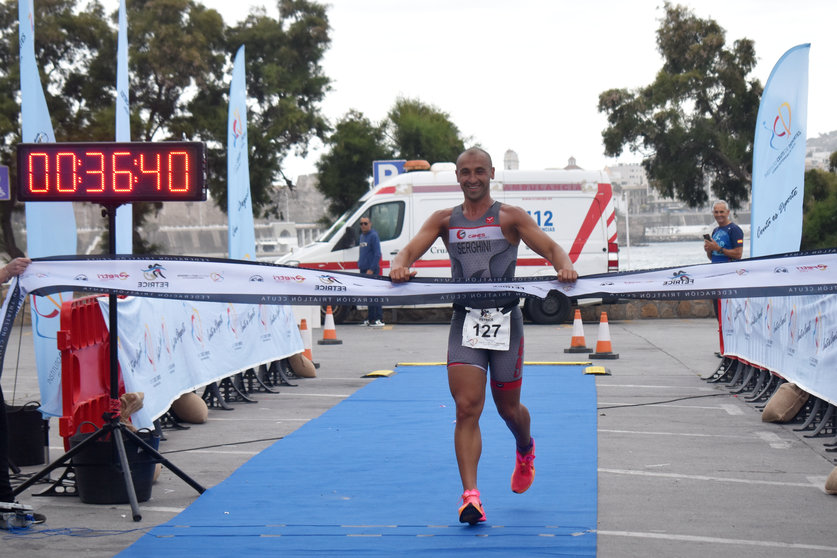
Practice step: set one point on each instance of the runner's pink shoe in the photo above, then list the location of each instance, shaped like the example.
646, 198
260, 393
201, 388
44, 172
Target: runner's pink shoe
471, 510
524, 471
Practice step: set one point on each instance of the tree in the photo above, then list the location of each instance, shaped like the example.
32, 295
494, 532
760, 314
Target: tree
412, 130
175, 47
179, 65
694, 124
344, 170
67, 39
421, 131
819, 222
180, 69
286, 85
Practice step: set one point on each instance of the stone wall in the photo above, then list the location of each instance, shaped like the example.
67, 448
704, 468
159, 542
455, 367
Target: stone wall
633, 310
649, 309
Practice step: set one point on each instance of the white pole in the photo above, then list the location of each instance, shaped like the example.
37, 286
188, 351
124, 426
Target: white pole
628, 228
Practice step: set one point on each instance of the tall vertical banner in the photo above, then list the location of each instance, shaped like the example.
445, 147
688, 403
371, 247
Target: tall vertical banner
50, 226
786, 335
241, 235
124, 216
779, 157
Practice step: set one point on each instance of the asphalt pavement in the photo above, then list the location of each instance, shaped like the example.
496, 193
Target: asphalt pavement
686, 468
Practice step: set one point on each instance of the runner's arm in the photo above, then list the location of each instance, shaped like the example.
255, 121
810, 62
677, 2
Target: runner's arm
418, 245
532, 235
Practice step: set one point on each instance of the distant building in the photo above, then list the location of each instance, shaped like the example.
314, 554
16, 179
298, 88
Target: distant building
571, 164
817, 160
302, 204
510, 160
200, 228
630, 186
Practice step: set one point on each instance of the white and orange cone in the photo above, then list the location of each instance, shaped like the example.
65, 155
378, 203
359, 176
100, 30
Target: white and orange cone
603, 345
329, 331
305, 333
577, 343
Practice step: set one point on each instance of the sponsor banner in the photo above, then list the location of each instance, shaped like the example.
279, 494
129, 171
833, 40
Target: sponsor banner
767, 331
779, 156
168, 348
244, 282
794, 337
241, 236
50, 226
211, 279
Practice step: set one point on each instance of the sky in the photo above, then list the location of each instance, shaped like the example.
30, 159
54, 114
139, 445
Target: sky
526, 75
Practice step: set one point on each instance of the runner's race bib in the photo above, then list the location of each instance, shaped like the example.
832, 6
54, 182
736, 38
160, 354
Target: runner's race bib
486, 328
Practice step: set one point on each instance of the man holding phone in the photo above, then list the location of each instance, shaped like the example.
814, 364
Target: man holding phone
727, 240
725, 244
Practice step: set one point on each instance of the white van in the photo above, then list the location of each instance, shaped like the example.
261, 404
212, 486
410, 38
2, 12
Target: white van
574, 207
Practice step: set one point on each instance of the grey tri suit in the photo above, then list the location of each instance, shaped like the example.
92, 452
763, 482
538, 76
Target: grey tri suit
478, 249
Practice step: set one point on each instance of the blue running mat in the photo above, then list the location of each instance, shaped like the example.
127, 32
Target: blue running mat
376, 476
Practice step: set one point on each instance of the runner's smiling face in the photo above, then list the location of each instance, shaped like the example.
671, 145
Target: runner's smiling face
474, 173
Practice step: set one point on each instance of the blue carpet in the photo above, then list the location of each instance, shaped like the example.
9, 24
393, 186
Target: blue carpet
376, 476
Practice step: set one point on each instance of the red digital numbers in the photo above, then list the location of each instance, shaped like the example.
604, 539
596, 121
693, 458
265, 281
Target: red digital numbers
179, 160
96, 169
102, 172
123, 178
69, 167
36, 161
152, 170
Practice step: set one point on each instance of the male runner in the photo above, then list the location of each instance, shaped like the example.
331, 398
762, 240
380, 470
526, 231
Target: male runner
482, 237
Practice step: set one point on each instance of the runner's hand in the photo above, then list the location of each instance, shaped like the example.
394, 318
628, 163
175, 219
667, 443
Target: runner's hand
567, 275
401, 274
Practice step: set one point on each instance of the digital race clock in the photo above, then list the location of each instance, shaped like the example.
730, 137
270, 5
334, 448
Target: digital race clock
109, 173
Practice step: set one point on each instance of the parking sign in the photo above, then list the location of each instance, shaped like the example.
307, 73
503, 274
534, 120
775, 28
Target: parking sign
381, 170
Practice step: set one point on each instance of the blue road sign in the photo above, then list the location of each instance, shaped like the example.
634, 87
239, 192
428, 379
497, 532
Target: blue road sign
382, 170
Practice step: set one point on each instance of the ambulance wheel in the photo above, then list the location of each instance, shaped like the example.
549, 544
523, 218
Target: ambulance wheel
339, 313
554, 309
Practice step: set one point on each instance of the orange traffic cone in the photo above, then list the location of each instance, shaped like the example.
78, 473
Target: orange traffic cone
603, 347
305, 333
329, 332
577, 344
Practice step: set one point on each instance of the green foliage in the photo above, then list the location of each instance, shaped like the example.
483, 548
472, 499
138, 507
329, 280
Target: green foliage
173, 45
819, 222
421, 131
68, 38
285, 84
180, 56
412, 130
695, 123
344, 171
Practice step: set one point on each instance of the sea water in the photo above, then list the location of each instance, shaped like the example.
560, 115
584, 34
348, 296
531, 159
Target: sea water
665, 254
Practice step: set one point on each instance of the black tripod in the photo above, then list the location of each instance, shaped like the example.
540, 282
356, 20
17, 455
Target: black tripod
112, 424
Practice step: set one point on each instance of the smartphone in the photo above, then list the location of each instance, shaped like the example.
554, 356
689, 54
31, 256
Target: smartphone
707, 237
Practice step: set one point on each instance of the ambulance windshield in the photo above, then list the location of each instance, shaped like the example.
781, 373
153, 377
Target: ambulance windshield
338, 224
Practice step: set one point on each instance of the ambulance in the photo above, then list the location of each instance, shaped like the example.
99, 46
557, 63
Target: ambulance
574, 207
